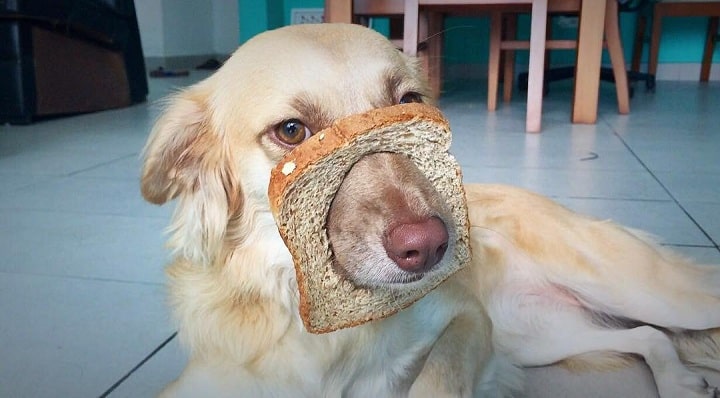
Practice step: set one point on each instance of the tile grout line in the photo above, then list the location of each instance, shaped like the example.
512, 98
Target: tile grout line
715, 244
101, 164
85, 213
83, 278
688, 245
138, 366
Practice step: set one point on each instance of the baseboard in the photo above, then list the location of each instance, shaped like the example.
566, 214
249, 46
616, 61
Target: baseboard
678, 72
188, 62
683, 72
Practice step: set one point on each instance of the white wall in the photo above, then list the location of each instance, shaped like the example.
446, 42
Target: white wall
226, 32
176, 28
188, 27
150, 21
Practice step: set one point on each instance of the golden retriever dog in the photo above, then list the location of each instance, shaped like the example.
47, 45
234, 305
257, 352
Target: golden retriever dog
232, 283
545, 285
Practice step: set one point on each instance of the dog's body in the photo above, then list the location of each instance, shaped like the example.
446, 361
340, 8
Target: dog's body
552, 281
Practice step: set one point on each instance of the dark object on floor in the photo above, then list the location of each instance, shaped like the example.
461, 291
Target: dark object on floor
210, 64
162, 72
68, 57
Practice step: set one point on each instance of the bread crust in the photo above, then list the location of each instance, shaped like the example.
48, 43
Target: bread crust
339, 134
345, 305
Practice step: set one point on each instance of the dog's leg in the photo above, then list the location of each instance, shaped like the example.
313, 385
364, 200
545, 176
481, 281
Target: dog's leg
452, 367
609, 268
463, 364
657, 287
673, 379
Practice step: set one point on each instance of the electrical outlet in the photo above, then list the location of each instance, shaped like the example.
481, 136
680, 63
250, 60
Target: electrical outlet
306, 15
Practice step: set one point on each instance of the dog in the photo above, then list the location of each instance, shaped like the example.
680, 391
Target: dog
545, 285
232, 283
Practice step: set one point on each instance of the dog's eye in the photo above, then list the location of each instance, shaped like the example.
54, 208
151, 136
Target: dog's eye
292, 132
411, 97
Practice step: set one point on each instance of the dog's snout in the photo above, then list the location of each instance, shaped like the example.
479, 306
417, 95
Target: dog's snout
417, 246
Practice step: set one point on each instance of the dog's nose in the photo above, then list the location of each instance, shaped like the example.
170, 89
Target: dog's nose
418, 246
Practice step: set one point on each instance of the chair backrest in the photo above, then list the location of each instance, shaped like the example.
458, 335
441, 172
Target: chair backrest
378, 7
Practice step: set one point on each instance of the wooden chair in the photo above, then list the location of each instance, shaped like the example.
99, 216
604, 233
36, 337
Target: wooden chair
536, 44
361, 11
680, 8
504, 40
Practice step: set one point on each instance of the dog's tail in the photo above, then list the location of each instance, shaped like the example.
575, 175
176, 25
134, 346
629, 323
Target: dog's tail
698, 347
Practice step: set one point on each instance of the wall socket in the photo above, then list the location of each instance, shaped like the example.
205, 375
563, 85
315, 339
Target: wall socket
306, 15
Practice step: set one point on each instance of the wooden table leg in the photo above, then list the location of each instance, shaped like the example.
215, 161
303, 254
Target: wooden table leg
338, 11
617, 57
589, 54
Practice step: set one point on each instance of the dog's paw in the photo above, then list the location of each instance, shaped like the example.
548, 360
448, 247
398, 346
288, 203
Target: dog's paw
687, 385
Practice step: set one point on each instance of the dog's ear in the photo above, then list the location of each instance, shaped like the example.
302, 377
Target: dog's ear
187, 157
182, 149
173, 153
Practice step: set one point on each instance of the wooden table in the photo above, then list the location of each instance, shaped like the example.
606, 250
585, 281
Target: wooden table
589, 53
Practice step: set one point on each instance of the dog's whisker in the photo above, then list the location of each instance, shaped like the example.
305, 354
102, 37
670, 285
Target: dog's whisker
446, 30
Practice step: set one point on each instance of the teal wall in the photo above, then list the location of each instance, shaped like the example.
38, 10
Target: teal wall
466, 38
257, 16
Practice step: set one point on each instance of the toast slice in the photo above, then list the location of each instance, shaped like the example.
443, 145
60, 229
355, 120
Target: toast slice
305, 181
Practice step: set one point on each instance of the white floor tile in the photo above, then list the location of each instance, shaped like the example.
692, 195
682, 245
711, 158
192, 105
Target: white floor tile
663, 219
83, 245
55, 161
77, 194
579, 183
692, 187
155, 374
684, 157
74, 338
126, 168
708, 216
10, 181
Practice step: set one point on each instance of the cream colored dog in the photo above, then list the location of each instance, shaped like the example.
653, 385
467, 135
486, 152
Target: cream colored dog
558, 286
232, 284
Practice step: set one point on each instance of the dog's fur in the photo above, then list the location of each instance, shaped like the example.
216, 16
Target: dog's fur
558, 286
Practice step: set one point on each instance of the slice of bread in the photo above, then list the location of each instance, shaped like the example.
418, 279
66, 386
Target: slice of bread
302, 188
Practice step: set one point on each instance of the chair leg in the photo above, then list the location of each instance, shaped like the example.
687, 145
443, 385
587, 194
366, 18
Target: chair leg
655, 39
588, 62
536, 68
510, 24
710, 38
410, 29
638, 43
423, 53
614, 45
494, 59
435, 49
338, 11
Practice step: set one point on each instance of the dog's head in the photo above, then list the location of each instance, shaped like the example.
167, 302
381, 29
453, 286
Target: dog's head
216, 142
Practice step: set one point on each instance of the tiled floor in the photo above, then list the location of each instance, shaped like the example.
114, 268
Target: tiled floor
82, 308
